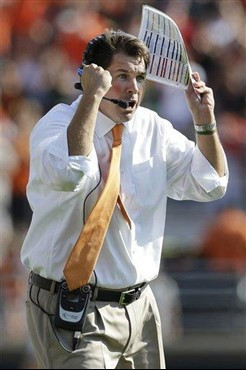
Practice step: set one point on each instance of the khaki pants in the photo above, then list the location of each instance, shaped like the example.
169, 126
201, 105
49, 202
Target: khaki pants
113, 337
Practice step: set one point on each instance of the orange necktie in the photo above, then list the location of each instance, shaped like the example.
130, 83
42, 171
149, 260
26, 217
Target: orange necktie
84, 254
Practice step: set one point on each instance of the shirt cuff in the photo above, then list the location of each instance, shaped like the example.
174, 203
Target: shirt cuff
88, 165
204, 173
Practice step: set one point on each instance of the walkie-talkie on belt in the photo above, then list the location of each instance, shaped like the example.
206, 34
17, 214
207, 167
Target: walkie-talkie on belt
71, 307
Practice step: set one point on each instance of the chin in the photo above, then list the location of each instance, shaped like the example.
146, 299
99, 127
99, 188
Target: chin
129, 116
124, 117
120, 116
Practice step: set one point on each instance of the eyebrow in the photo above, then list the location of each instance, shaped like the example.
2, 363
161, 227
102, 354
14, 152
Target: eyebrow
129, 71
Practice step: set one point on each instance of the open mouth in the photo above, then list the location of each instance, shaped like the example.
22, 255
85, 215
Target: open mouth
132, 103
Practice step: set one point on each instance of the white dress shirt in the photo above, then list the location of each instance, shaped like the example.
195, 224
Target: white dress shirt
157, 162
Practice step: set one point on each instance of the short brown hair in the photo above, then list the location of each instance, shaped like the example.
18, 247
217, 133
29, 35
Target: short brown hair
101, 49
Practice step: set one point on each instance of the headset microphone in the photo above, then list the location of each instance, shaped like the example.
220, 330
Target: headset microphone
121, 103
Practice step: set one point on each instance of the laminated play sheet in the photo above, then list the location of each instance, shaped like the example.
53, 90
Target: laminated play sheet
169, 62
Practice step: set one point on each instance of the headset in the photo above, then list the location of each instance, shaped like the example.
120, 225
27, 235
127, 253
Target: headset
121, 103
94, 42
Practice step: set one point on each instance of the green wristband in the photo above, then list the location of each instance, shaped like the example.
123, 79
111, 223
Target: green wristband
205, 132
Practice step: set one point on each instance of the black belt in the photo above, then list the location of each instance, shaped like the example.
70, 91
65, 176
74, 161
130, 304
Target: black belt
123, 297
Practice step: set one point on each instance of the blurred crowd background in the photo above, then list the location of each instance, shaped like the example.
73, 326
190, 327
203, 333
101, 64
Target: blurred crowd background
201, 290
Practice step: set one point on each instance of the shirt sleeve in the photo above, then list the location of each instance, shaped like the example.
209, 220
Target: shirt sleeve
53, 165
189, 174
204, 173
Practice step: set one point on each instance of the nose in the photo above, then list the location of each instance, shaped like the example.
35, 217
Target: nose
132, 87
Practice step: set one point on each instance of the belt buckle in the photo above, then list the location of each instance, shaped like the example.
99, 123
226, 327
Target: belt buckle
122, 297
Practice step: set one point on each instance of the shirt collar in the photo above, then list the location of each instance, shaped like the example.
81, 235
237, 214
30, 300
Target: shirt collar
103, 125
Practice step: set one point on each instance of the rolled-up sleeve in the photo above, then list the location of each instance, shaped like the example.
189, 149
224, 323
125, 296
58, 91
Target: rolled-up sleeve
63, 172
84, 164
190, 176
50, 161
206, 176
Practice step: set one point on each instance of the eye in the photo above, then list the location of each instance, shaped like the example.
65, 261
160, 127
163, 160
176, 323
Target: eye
122, 76
141, 78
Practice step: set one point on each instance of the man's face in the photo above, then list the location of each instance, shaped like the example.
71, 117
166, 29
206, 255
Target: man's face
128, 80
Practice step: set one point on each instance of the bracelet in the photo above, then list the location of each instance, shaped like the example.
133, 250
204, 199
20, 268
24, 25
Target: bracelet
205, 129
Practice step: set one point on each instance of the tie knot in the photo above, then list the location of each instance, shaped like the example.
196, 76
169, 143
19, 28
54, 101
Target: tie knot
117, 131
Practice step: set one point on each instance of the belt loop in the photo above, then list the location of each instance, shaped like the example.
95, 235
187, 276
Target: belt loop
94, 293
53, 287
30, 277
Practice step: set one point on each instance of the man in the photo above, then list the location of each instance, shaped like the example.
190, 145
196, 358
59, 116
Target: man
70, 160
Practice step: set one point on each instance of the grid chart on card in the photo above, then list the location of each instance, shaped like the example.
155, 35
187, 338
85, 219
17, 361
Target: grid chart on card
168, 58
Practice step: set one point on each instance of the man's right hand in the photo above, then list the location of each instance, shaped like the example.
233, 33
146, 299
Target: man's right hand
95, 80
